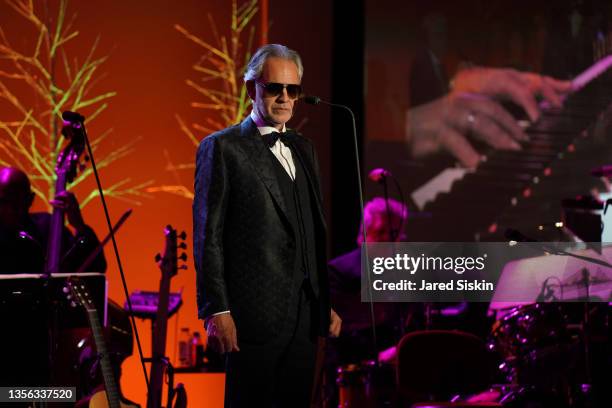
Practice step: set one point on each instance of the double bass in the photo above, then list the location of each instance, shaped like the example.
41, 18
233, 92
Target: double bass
65, 170
112, 343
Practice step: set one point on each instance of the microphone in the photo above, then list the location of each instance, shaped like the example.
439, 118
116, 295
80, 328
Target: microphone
311, 99
379, 175
73, 117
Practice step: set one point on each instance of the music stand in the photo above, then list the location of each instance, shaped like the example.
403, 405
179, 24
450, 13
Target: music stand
34, 308
552, 278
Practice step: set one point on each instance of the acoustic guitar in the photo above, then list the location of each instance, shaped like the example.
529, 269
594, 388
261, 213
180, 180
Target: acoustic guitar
110, 396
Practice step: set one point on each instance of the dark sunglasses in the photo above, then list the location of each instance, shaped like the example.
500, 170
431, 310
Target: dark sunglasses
294, 91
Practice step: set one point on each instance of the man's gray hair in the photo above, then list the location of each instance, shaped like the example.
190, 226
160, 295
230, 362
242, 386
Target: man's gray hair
255, 65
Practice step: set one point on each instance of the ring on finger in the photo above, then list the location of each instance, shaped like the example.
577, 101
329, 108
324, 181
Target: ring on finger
471, 120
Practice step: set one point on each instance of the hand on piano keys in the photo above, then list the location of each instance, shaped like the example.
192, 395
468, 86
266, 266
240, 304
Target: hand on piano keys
522, 88
473, 109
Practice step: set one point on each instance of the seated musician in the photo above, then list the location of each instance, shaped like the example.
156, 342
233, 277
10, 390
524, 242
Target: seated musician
24, 235
392, 319
354, 343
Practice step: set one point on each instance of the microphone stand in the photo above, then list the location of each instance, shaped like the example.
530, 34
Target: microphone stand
314, 100
70, 116
586, 328
404, 215
396, 231
392, 231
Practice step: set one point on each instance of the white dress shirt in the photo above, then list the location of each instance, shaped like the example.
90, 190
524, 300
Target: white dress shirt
280, 150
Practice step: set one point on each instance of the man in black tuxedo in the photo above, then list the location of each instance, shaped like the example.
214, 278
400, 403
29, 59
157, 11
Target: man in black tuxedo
259, 243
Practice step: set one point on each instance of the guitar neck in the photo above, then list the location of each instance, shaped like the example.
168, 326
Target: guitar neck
168, 266
105, 364
161, 321
54, 243
160, 326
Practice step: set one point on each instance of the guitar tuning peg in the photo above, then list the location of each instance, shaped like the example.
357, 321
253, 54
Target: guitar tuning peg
182, 235
158, 257
65, 289
183, 257
73, 304
182, 245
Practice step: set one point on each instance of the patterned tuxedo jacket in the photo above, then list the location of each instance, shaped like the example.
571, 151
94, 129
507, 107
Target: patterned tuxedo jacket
244, 244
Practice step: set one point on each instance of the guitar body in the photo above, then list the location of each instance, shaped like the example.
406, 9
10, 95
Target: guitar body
79, 294
100, 400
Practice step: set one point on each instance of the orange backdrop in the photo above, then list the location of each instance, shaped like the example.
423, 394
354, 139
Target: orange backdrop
148, 64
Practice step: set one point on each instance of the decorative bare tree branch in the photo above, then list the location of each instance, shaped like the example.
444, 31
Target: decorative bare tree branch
45, 73
220, 85
222, 66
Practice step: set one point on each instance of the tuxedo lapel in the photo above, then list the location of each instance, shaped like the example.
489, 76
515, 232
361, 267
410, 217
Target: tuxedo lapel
260, 159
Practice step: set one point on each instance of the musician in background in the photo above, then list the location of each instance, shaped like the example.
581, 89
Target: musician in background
24, 235
355, 343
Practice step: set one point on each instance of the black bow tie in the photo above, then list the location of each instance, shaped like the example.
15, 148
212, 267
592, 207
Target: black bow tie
271, 138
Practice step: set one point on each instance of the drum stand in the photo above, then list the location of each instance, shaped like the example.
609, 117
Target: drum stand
586, 389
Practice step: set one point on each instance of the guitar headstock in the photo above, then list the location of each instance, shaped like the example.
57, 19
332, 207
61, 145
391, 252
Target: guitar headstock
69, 157
168, 262
76, 291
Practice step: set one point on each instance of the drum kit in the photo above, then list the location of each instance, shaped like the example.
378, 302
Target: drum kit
547, 353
